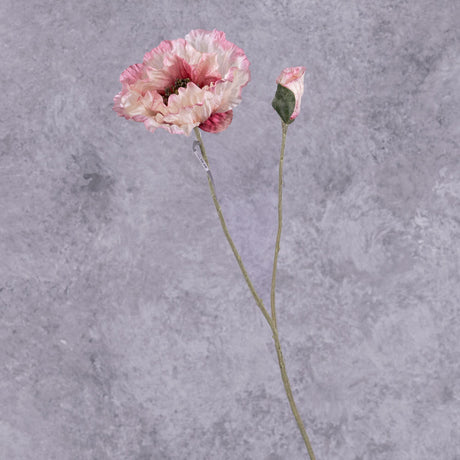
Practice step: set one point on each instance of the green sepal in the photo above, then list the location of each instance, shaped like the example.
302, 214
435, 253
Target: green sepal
284, 103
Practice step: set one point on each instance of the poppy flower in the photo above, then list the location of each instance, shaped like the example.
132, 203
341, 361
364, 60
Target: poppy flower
185, 83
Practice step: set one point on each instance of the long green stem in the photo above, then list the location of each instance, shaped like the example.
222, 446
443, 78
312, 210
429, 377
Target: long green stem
282, 364
284, 127
227, 234
290, 397
270, 320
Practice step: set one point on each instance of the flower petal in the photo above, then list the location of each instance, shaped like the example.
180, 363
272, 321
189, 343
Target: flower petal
206, 71
217, 122
155, 58
229, 91
189, 108
132, 74
228, 54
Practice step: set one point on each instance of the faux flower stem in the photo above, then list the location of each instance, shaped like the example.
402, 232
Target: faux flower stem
284, 128
290, 397
281, 362
270, 320
227, 234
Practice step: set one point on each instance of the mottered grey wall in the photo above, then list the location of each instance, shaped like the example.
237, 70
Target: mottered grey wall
127, 330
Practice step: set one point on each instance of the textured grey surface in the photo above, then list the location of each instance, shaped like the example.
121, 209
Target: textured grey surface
127, 331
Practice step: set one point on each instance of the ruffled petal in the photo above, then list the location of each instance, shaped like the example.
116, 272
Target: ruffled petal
189, 108
132, 74
217, 122
229, 91
227, 54
205, 71
127, 105
207, 41
155, 58
160, 79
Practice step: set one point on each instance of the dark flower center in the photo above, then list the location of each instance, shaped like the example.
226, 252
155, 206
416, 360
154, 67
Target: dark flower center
174, 89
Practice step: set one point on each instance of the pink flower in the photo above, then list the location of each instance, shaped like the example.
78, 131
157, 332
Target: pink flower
292, 78
184, 83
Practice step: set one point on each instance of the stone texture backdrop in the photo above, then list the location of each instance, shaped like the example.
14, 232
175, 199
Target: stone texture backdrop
127, 331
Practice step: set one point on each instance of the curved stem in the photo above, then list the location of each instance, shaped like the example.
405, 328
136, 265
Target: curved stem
227, 234
281, 362
280, 222
290, 397
270, 320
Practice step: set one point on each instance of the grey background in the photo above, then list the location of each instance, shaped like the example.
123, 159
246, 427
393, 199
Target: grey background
127, 331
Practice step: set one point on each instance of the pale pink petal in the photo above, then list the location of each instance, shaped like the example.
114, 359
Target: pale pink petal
178, 66
152, 125
187, 97
117, 105
206, 41
156, 57
153, 103
205, 71
189, 108
132, 74
127, 104
128, 77
228, 55
229, 91
175, 67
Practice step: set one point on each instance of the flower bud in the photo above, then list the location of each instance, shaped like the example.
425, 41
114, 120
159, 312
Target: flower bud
289, 93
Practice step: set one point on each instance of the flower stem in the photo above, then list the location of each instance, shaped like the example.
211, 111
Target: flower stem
281, 362
270, 320
284, 127
227, 234
290, 397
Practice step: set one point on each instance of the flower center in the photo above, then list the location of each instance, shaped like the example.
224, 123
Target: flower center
174, 89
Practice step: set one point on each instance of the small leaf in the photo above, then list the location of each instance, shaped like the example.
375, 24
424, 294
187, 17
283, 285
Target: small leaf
284, 103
